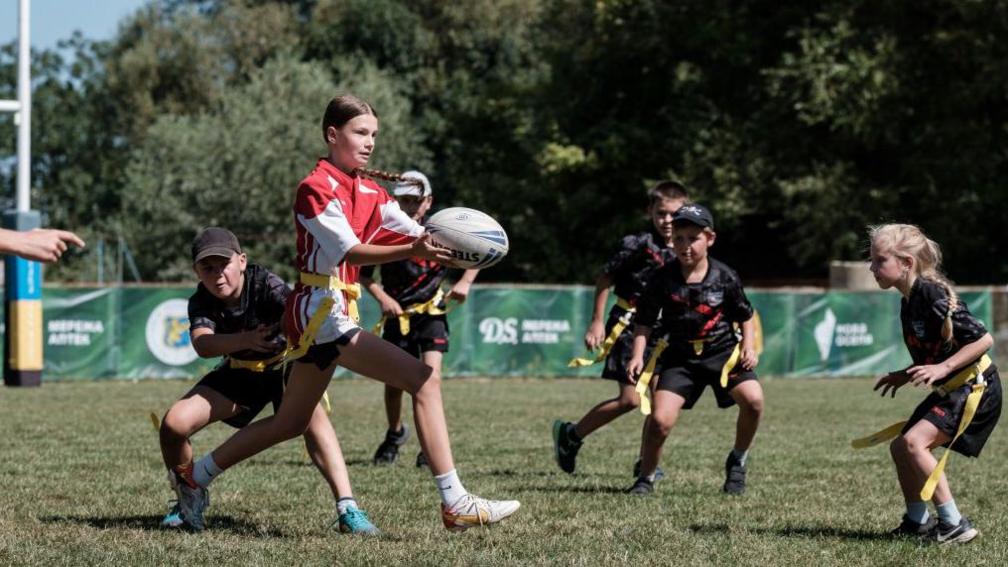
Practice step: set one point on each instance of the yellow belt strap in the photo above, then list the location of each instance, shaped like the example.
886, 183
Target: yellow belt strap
610, 340
352, 292
432, 307
970, 373
256, 365
730, 365
644, 381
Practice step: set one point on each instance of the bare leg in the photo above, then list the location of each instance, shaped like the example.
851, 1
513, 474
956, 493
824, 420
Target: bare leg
627, 400
749, 397
376, 358
198, 408
665, 413
393, 407
324, 449
302, 394
912, 451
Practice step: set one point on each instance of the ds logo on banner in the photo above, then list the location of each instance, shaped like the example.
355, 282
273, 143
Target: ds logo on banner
498, 331
168, 333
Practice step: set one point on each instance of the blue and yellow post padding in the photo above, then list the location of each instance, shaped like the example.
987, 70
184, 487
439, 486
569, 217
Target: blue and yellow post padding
23, 313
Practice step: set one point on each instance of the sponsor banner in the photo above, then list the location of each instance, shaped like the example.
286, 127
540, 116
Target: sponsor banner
143, 332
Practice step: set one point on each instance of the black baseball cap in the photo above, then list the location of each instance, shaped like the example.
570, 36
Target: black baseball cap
696, 214
214, 241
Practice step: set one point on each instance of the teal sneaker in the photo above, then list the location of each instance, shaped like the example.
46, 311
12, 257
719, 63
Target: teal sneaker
173, 519
356, 521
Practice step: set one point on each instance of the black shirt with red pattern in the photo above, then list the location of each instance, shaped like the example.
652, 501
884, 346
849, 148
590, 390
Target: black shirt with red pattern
262, 302
922, 316
638, 256
703, 311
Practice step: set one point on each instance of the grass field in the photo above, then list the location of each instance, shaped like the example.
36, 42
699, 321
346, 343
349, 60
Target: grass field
83, 484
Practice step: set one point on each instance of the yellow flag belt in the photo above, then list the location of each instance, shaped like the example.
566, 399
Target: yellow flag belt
644, 381
436, 306
972, 373
610, 340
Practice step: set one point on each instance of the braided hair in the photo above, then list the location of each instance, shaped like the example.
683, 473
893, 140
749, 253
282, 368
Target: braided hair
378, 174
909, 241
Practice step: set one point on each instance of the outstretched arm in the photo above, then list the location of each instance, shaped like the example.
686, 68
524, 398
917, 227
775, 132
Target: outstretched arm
40, 244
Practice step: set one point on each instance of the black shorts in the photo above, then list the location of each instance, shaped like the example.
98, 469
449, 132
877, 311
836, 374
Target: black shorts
945, 412
615, 364
324, 354
688, 376
427, 333
250, 391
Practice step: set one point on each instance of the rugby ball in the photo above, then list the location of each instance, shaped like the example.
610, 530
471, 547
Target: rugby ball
474, 239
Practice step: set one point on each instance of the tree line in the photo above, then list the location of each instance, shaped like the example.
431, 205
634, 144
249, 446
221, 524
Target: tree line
797, 123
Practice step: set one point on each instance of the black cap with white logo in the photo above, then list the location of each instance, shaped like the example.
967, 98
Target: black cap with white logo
696, 214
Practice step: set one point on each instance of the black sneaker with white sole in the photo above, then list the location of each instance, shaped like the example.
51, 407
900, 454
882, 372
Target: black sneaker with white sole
910, 528
641, 487
388, 451
659, 474
421, 460
962, 532
735, 473
565, 449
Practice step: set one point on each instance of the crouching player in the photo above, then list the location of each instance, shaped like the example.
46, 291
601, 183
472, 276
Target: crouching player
698, 299
235, 313
413, 310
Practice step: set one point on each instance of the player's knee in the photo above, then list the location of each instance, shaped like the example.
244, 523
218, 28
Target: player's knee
754, 404
427, 382
901, 446
661, 424
630, 401
288, 427
174, 428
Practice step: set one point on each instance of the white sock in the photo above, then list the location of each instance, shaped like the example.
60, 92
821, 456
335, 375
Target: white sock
205, 470
917, 512
344, 504
450, 487
949, 513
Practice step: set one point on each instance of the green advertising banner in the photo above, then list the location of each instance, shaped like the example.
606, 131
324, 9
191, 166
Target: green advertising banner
143, 332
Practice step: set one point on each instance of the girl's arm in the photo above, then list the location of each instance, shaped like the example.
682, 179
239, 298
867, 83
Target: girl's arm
460, 291
925, 375
636, 364
389, 306
363, 254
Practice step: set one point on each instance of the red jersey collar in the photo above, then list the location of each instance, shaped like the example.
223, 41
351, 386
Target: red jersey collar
338, 174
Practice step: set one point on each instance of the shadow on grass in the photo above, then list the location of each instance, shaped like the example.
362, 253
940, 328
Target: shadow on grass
153, 523
553, 488
799, 531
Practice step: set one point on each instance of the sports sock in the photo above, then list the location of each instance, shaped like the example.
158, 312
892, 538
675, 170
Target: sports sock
740, 455
949, 513
450, 487
344, 504
205, 470
918, 512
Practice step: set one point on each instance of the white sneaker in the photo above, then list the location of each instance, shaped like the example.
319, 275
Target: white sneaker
471, 511
193, 499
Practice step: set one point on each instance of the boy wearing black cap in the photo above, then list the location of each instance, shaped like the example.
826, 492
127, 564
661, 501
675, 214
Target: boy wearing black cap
235, 313
414, 309
698, 299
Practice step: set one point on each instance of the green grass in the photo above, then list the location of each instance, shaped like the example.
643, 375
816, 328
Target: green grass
83, 484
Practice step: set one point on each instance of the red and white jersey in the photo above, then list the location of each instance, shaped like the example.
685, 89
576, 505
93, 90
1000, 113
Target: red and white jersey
333, 212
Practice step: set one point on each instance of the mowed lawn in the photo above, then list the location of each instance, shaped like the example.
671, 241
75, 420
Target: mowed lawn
83, 484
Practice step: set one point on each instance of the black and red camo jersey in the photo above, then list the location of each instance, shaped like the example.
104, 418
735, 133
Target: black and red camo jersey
922, 316
701, 311
333, 212
631, 266
409, 281
262, 303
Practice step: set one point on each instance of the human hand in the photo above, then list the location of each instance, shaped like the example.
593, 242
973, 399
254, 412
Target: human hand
424, 247
925, 375
594, 335
634, 368
260, 339
391, 307
749, 359
892, 382
459, 291
43, 244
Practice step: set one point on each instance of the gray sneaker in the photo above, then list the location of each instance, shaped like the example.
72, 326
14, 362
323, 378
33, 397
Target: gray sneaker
193, 502
642, 487
962, 532
659, 474
910, 528
735, 473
